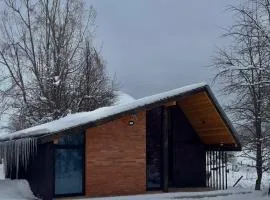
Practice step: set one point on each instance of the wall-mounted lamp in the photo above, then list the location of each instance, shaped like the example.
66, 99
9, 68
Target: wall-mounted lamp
131, 123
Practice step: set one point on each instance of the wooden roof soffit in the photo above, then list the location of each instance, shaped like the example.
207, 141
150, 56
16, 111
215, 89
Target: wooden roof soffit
207, 120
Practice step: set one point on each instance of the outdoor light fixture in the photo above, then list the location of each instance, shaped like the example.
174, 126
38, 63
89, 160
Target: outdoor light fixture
131, 123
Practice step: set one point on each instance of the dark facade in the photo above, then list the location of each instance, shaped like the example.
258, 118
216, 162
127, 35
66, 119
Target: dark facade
185, 154
40, 172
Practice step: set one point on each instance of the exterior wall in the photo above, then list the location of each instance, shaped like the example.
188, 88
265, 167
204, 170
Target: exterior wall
40, 172
187, 153
115, 157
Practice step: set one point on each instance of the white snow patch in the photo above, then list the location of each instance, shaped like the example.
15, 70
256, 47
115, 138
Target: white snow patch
15, 189
57, 82
213, 195
56, 78
242, 166
77, 119
123, 98
42, 98
2, 171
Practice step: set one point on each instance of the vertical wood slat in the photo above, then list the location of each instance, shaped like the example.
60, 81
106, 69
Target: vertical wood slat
219, 169
206, 169
209, 171
209, 167
226, 159
214, 174
165, 153
223, 167
213, 167
213, 171
216, 168
211, 177
221, 160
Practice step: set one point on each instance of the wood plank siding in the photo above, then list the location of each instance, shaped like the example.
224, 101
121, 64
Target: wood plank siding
206, 120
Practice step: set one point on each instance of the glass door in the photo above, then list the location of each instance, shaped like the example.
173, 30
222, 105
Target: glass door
153, 148
68, 167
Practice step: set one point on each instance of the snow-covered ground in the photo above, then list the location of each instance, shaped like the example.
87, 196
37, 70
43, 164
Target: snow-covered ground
213, 195
242, 167
243, 191
15, 190
19, 189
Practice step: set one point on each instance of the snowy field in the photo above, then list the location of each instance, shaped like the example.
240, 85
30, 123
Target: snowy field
214, 195
242, 167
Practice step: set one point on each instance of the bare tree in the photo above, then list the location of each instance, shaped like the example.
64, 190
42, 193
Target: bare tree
244, 74
45, 60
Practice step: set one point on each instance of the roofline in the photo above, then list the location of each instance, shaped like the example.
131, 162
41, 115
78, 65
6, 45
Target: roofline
224, 117
46, 137
205, 88
124, 113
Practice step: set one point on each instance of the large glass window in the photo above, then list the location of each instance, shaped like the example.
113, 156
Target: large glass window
153, 148
75, 139
69, 165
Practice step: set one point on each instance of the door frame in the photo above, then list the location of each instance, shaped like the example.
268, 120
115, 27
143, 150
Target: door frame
65, 146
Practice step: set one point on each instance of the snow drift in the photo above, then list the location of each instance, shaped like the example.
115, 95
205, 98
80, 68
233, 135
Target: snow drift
15, 189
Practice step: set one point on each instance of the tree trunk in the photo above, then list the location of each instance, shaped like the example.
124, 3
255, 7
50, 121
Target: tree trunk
259, 166
259, 178
258, 154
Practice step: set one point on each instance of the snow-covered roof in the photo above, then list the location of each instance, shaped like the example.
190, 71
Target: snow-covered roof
123, 98
83, 118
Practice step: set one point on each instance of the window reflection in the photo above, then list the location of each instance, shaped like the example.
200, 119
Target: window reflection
69, 165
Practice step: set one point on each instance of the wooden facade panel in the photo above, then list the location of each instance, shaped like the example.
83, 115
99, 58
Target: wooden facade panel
205, 119
212, 141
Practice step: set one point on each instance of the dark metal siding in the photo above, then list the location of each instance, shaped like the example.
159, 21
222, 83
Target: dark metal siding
40, 172
186, 151
154, 148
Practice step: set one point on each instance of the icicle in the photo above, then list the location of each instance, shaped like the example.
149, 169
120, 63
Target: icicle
17, 153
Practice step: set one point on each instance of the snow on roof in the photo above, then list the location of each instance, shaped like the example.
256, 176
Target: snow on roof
82, 118
123, 98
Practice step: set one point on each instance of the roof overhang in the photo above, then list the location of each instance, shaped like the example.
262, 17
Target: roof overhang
198, 103
209, 121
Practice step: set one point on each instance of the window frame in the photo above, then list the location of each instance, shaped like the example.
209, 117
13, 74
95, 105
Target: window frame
70, 147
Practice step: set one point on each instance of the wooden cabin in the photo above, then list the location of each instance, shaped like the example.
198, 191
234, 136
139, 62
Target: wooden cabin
174, 139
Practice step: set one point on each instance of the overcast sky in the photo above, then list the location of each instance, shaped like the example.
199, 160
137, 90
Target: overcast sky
156, 45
